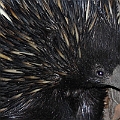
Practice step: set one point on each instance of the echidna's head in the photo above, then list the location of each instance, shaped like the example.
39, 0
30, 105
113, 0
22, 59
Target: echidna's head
99, 57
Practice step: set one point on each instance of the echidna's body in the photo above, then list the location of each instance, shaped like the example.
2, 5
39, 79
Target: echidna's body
54, 57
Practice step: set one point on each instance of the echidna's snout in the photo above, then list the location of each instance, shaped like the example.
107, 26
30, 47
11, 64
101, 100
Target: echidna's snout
114, 80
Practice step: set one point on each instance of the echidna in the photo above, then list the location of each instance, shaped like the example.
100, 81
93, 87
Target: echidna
57, 58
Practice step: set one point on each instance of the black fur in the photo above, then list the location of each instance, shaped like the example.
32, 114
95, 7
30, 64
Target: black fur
54, 59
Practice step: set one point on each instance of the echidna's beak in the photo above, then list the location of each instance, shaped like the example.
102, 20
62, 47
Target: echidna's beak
114, 80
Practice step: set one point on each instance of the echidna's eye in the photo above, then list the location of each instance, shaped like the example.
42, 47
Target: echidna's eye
100, 73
